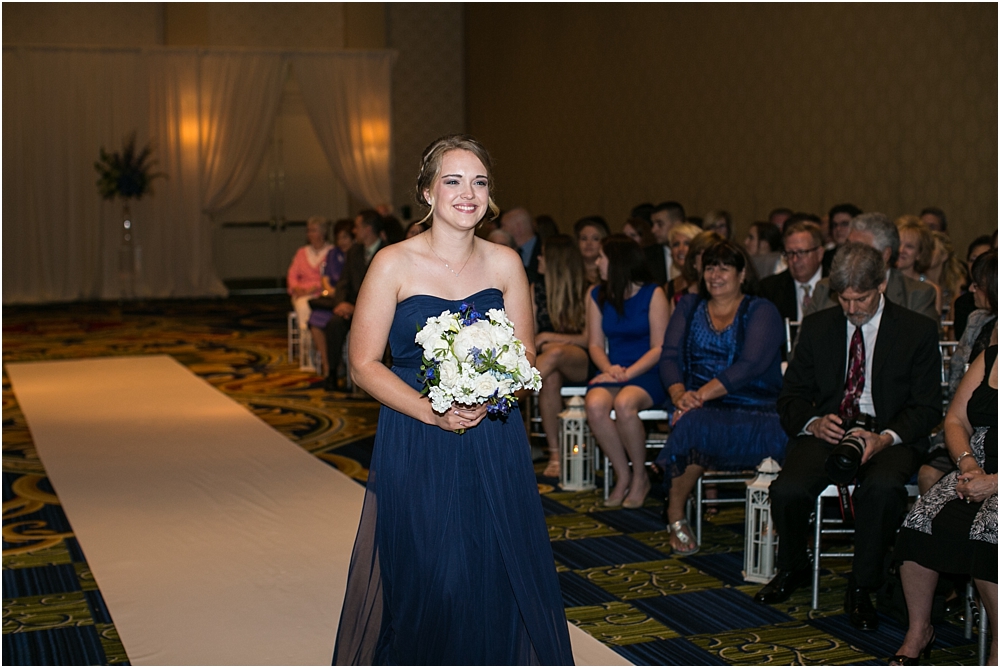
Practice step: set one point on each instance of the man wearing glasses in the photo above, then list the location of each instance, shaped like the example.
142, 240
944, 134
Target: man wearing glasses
792, 290
875, 230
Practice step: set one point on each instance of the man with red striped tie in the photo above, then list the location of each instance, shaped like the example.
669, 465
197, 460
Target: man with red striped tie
869, 362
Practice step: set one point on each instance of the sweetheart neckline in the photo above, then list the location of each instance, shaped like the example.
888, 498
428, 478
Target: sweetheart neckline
445, 299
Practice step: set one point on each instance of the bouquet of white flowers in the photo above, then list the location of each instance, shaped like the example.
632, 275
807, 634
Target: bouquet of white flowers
471, 358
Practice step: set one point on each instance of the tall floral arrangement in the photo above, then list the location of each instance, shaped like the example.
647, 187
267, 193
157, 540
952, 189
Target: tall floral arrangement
127, 173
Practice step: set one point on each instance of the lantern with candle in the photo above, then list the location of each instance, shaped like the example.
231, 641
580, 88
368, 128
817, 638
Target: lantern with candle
578, 448
761, 538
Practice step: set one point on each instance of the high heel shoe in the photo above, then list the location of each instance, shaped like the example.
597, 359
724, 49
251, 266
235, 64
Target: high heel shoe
631, 504
925, 653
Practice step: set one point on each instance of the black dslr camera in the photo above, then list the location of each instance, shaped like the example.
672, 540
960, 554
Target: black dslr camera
843, 462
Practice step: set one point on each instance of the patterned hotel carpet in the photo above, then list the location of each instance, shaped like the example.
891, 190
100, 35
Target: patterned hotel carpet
619, 580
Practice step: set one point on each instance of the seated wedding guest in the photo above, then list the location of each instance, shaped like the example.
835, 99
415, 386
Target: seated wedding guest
546, 226
368, 241
627, 317
519, 224
946, 270
839, 221
559, 304
875, 230
681, 237
791, 290
304, 282
639, 231
721, 365
953, 527
720, 222
763, 244
503, 238
916, 247
392, 230
965, 304
415, 228
333, 266
981, 329
590, 232
934, 219
643, 211
692, 263
779, 217
889, 357
662, 219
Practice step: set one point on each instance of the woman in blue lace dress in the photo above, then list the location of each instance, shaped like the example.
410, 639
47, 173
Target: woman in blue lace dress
452, 563
626, 318
721, 365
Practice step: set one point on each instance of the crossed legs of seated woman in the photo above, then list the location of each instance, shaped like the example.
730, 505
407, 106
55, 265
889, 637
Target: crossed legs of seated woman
623, 440
558, 363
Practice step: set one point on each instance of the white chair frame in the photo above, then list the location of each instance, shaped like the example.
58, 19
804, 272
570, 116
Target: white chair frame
836, 528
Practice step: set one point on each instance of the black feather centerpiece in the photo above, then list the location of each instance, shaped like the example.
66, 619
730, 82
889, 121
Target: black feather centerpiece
126, 174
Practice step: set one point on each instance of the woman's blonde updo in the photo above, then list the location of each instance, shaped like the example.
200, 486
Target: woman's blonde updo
430, 167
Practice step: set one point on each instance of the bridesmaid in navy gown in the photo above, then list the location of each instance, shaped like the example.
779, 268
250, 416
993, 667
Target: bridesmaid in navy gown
452, 562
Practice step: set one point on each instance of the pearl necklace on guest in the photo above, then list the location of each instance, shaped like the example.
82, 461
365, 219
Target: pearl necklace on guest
448, 266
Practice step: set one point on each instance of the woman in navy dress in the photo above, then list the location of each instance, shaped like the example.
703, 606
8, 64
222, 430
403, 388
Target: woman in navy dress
721, 366
452, 562
626, 318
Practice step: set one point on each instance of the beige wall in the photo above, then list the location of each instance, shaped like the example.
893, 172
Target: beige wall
78, 23
592, 108
428, 85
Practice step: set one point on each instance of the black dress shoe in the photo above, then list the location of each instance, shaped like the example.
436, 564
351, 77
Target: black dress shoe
782, 586
858, 604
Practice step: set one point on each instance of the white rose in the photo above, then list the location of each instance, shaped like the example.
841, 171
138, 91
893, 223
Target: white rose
508, 359
476, 335
524, 369
499, 316
505, 386
449, 372
485, 385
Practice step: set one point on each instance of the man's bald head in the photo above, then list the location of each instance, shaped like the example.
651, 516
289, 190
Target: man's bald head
519, 224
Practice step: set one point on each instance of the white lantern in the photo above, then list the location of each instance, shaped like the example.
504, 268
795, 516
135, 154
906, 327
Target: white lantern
761, 538
578, 448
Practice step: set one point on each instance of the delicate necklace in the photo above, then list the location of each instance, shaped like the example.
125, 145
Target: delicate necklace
448, 266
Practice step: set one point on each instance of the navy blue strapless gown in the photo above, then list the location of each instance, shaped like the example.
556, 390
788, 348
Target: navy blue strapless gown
452, 562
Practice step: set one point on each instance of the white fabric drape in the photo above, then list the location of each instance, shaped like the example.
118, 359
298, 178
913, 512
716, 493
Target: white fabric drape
209, 116
239, 97
349, 103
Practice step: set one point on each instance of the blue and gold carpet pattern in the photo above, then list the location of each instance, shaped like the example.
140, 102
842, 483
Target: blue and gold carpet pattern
620, 581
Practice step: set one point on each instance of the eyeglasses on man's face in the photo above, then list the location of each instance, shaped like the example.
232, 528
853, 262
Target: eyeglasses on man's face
798, 254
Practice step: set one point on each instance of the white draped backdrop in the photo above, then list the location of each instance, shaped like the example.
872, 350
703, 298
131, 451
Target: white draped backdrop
209, 115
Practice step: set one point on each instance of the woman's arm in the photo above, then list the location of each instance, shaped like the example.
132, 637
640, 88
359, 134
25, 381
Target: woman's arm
957, 429
762, 343
596, 341
517, 298
372, 320
671, 364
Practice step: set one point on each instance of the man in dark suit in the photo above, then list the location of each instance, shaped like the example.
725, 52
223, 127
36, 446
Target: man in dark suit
793, 288
869, 356
368, 241
519, 224
658, 257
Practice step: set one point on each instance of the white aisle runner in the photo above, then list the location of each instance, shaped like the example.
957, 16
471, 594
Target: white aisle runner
213, 538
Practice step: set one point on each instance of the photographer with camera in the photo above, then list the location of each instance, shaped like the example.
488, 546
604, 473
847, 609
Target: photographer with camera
859, 400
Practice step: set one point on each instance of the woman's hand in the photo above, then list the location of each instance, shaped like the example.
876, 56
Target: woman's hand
614, 374
976, 486
460, 416
543, 338
689, 401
